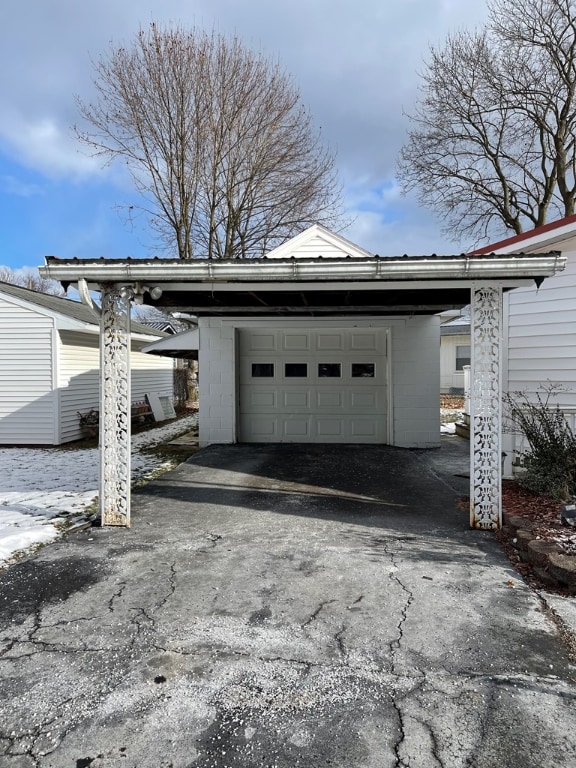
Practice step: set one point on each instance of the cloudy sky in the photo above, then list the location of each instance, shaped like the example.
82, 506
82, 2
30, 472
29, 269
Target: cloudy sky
355, 63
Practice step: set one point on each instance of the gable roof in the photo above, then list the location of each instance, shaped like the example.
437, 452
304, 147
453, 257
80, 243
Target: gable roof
317, 241
547, 235
67, 308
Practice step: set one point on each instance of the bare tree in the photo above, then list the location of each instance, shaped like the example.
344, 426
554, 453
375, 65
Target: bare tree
216, 140
30, 278
492, 144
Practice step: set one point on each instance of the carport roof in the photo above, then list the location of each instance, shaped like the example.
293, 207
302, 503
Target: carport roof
373, 285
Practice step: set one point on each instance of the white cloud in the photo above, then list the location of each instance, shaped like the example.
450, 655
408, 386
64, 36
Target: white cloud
41, 144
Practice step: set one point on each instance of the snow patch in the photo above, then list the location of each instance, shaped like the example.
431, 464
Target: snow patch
39, 486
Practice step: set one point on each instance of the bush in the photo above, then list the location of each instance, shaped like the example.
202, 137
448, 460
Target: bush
550, 462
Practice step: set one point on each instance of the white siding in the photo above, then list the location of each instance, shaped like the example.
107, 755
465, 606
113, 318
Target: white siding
449, 376
542, 335
79, 379
318, 246
150, 373
541, 345
27, 399
415, 375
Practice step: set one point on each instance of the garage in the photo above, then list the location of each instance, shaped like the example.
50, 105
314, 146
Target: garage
319, 341
313, 386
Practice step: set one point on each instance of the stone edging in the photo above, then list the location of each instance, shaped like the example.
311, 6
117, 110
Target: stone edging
552, 566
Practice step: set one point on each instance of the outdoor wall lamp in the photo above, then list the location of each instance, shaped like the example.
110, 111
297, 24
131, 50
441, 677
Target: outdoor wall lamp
155, 293
136, 292
127, 292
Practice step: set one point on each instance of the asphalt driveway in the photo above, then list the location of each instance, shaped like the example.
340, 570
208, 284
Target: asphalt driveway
284, 606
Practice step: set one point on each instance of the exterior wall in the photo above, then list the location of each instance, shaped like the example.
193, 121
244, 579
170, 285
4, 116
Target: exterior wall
414, 375
79, 377
217, 381
78, 380
416, 382
449, 376
541, 343
542, 334
27, 398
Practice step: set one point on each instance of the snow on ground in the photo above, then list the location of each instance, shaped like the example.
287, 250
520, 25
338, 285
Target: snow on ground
41, 488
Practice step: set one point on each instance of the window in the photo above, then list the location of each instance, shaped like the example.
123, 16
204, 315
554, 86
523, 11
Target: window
363, 370
462, 356
329, 370
295, 370
262, 370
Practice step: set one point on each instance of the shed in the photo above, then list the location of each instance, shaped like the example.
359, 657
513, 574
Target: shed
49, 348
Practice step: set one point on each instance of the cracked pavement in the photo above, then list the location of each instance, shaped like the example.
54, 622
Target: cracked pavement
280, 606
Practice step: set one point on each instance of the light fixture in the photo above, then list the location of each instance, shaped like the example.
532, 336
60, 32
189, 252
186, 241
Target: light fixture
136, 292
154, 292
126, 292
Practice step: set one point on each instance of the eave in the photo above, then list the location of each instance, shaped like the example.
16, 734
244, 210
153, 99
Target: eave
315, 286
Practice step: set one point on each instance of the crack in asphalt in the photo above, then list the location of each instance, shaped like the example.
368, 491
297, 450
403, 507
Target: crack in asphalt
394, 647
116, 596
340, 642
313, 616
28, 744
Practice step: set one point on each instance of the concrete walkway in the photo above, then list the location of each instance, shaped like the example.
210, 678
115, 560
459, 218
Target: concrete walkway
284, 606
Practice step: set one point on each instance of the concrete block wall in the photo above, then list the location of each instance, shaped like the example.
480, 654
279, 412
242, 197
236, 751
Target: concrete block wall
217, 382
415, 375
416, 382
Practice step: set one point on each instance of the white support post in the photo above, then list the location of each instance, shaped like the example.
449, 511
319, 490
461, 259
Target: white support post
115, 407
486, 407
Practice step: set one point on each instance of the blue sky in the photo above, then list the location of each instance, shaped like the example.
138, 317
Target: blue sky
355, 63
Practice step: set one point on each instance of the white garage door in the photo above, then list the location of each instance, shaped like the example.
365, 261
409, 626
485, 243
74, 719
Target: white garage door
311, 386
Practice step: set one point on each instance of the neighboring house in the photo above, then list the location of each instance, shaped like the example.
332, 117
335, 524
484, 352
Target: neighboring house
540, 323
454, 354
49, 353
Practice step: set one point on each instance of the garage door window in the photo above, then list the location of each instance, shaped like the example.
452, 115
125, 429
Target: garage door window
262, 370
363, 370
329, 370
295, 370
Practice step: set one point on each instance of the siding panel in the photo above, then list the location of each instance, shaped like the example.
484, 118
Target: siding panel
542, 335
26, 389
79, 380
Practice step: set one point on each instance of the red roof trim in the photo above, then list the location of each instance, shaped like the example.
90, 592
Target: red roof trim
524, 236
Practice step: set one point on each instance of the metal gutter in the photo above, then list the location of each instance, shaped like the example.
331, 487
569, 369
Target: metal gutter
347, 270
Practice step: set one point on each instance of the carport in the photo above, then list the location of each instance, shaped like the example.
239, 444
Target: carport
296, 282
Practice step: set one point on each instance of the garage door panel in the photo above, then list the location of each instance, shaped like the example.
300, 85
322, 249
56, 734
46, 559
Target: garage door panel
329, 399
363, 428
296, 342
330, 428
366, 341
263, 342
364, 399
296, 398
263, 429
330, 341
263, 399
296, 428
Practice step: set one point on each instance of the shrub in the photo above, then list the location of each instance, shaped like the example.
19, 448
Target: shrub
550, 461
